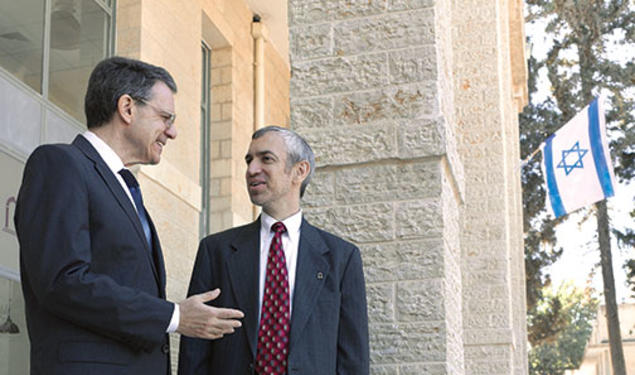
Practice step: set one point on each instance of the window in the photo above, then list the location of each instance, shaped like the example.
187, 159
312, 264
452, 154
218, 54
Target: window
21, 40
53, 45
205, 139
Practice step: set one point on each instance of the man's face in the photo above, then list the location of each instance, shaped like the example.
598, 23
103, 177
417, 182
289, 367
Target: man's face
271, 184
151, 130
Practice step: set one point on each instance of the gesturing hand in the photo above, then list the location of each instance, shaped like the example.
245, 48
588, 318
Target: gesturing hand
208, 322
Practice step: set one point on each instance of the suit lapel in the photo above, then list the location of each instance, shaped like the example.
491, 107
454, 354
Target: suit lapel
311, 265
158, 262
243, 266
117, 190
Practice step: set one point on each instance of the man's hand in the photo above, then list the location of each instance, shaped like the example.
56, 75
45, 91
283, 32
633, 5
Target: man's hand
207, 322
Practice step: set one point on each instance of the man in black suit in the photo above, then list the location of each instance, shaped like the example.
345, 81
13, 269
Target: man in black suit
301, 289
91, 264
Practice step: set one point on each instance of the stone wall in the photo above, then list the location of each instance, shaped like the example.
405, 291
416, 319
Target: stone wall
410, 106
370, 90
491, 231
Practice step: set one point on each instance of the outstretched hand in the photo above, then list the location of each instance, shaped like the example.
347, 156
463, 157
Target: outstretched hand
208, 322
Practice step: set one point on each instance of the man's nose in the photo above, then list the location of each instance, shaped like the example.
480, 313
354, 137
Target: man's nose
171, 132
253, 168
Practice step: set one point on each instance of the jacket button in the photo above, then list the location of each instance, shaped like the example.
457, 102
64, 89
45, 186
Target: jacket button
165, 348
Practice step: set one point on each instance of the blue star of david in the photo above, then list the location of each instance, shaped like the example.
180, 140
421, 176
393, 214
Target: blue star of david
577, 162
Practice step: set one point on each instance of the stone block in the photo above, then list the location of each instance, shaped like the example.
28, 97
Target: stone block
413, 101
321, 190
360, 224
384, 370
226, 149
417, 219
215, 186
316, 11
307, 42
311, 113
421, 139
403, 260
377, 183
473, 321
412, 65
397, 5
221, 57
407, 342
485, 278
227, 111
340, 74
381, 302
488, 367
424, 369
351, 145
390, 31
420, 300
487, 336
490, 352
500, 319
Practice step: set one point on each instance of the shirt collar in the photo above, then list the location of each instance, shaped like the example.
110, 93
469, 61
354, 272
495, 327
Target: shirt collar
112, 160
292, 223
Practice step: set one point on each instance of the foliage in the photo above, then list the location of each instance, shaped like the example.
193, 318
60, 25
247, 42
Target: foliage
564, 351
581, 38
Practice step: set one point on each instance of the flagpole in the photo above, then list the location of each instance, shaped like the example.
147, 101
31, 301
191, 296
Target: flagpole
612, 317
604, 241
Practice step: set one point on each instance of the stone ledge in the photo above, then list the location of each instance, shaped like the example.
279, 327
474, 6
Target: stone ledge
480, 337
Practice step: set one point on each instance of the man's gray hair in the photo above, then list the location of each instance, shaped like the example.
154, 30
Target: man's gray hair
297, 150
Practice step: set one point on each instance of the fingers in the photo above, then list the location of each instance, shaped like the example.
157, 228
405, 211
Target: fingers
198, 319
223, 313
209, 296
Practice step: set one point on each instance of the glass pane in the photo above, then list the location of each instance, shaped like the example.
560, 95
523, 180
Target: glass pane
205, 142
21, 33
79, 40
14, 342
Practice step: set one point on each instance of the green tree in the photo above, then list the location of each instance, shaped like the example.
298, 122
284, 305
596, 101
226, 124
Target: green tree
564, 351
581, 38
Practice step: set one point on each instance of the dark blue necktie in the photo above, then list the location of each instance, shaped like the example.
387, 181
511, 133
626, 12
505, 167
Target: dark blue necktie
135, 191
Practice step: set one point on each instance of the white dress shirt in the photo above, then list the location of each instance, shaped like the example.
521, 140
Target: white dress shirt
290, 243
114, 163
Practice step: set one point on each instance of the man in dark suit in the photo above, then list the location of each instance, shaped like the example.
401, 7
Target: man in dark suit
301, 288
91, 264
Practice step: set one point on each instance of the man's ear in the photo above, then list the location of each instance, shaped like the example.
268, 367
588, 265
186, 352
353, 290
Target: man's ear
301, 169
125, 108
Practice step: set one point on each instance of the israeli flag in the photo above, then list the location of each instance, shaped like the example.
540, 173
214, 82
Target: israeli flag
577, 163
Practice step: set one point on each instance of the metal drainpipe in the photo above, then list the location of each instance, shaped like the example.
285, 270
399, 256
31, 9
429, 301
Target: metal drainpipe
258, 32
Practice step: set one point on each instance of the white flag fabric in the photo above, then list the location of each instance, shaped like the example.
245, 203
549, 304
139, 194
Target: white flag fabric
577, 163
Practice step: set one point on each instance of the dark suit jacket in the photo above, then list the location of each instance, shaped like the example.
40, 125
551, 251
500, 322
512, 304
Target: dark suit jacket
94, 296
329, 324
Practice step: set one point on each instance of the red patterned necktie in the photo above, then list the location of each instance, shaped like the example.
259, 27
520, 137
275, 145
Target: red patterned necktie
273, 335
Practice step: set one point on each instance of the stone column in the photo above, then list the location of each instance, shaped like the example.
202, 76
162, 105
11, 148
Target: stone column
371, 90
490, 75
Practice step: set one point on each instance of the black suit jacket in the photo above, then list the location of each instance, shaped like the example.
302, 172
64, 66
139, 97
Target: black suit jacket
94, 291
329, 324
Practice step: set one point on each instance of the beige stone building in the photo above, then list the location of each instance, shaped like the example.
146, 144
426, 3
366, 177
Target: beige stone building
597, 356
410, 105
